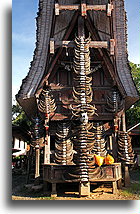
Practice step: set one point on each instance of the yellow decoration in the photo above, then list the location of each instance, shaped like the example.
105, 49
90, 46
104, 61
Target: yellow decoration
99, 160
109, 159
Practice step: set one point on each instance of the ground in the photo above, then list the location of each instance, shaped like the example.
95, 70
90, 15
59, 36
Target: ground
21, 191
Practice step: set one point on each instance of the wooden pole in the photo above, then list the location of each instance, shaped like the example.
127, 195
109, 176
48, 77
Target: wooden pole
123, 122
54, 191
47, 149
47, 137
110, 143
114, 147
126, 169
114, 144
37, 167
84, 186
126, 176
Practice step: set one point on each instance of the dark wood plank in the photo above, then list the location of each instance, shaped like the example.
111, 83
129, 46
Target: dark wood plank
107, 61
56, 57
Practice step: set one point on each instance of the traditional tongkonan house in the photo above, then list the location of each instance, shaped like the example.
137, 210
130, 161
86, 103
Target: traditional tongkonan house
134, 132
79, 86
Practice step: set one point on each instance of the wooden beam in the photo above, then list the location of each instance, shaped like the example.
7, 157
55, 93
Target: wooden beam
64, 88
102, 116
93, 44
96, 7
65, 7
84, 8
98, 44
69, 7
64, 44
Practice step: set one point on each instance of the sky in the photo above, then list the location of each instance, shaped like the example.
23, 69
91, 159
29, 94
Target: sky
24, 36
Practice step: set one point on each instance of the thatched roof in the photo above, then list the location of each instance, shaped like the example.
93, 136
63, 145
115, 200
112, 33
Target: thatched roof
47, 30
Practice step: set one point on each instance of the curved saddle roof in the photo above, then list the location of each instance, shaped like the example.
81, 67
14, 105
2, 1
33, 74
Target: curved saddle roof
45, 31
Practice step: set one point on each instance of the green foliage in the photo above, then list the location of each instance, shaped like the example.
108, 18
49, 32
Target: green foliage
133, 189
133, 114
19, 117
135, 69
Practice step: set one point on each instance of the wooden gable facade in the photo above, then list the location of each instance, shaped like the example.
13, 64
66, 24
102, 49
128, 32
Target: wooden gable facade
59, 23
53, 68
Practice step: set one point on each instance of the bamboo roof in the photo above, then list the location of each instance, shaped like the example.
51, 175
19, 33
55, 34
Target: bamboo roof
46, 30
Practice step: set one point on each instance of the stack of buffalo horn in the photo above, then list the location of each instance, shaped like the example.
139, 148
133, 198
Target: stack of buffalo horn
82, 110
100, 143
63, 144
125, 151
46, 103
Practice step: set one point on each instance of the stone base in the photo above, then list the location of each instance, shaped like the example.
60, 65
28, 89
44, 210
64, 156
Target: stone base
54, 191
53, 195
84, 189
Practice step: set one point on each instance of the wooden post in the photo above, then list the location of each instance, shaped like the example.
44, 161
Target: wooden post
112, 46
119, 184
126, 170
52, 46
54, 192
56, 9
114, 147
126, 176
81, 29
114, 143
110, 142
84, 189
47, 150
114, 183
123, 122
37, 166
83, 8
45, 186
47, 137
